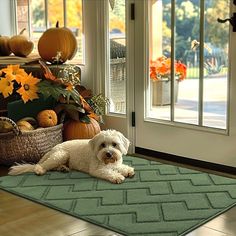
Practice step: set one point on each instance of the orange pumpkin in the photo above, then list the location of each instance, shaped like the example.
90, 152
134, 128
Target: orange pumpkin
20, 45
56, 42
79, 130
47, 118
4, 46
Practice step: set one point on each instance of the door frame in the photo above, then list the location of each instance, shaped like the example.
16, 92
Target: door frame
122, 122
182, 140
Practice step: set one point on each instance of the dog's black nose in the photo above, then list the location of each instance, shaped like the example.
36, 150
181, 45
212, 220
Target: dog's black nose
108, 154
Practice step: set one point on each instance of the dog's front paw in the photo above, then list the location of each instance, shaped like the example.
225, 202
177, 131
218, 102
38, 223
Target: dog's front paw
117, 179
127, 171
63, 168
39, 170
131, 172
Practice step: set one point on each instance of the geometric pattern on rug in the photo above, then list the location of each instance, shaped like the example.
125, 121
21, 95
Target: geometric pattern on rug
161, 199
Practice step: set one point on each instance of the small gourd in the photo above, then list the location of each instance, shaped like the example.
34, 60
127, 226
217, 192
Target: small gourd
47, 118
20, 45
79, 130
57, 41
24, 125
4, 46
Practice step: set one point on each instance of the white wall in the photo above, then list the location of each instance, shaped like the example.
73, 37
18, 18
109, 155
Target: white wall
7, 23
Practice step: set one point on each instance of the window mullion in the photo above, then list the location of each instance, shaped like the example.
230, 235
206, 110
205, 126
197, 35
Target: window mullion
172, 109
29, 20
65, 13
201, 63
46, 13
14, 17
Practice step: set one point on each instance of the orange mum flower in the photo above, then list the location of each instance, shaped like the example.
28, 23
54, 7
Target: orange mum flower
181, 69
28, 90
153, 73
161, 68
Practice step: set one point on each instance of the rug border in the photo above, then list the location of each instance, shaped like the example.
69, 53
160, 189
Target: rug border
208, 219
106, 227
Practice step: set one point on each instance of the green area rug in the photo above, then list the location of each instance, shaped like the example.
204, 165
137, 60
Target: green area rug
163, 200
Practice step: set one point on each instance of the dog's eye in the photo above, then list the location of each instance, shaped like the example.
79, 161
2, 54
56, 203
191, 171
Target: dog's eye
114, 144
103, 145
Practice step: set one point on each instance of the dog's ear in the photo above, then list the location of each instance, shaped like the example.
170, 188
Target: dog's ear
125, 143
92, 142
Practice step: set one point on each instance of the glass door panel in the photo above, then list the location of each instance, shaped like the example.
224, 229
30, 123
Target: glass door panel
160, 51
187, 23
192, 89
117, 37
215, 91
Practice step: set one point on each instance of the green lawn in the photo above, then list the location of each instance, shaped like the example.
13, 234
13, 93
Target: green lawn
193, 72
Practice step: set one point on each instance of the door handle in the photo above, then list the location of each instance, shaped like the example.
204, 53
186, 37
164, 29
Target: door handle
232, 21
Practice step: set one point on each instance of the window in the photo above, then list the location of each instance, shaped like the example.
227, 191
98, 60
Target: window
188, 33
117, 38
38, 15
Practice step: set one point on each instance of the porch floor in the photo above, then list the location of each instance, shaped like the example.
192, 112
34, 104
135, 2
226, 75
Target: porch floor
186, 107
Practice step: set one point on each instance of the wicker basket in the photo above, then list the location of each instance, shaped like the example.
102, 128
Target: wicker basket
28, 146
118, 84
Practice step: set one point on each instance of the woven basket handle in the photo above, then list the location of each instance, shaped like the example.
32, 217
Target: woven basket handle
16, 129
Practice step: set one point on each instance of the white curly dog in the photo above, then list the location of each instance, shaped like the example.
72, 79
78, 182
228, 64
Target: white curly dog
100, 157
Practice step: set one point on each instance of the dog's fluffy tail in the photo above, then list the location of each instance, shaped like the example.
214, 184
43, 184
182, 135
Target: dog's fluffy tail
21, 168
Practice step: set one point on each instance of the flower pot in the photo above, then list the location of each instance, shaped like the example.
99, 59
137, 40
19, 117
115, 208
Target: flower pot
161, 92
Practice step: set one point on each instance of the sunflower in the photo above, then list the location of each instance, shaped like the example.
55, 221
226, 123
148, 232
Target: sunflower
6, 86
15, 72
28, 89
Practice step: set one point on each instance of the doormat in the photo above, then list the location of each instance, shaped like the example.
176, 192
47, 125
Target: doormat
161, 199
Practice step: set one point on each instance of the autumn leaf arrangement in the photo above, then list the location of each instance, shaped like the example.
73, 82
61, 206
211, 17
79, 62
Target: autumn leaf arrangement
160, 69
73, 100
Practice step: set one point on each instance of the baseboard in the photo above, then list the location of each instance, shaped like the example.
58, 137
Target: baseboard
187, 161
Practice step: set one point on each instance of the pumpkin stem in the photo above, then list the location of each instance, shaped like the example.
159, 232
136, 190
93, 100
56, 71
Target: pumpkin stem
57, 24
22, 31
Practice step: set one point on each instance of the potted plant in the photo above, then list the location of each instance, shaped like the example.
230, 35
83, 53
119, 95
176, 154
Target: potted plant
160, 74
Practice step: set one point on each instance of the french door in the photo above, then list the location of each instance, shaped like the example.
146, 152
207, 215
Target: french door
185, 69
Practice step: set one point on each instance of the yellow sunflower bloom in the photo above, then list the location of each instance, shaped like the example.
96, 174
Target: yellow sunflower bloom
6, 86
15, 72
28, 89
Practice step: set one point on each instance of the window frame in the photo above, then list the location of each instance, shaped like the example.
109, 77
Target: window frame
46, 18
172, 121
